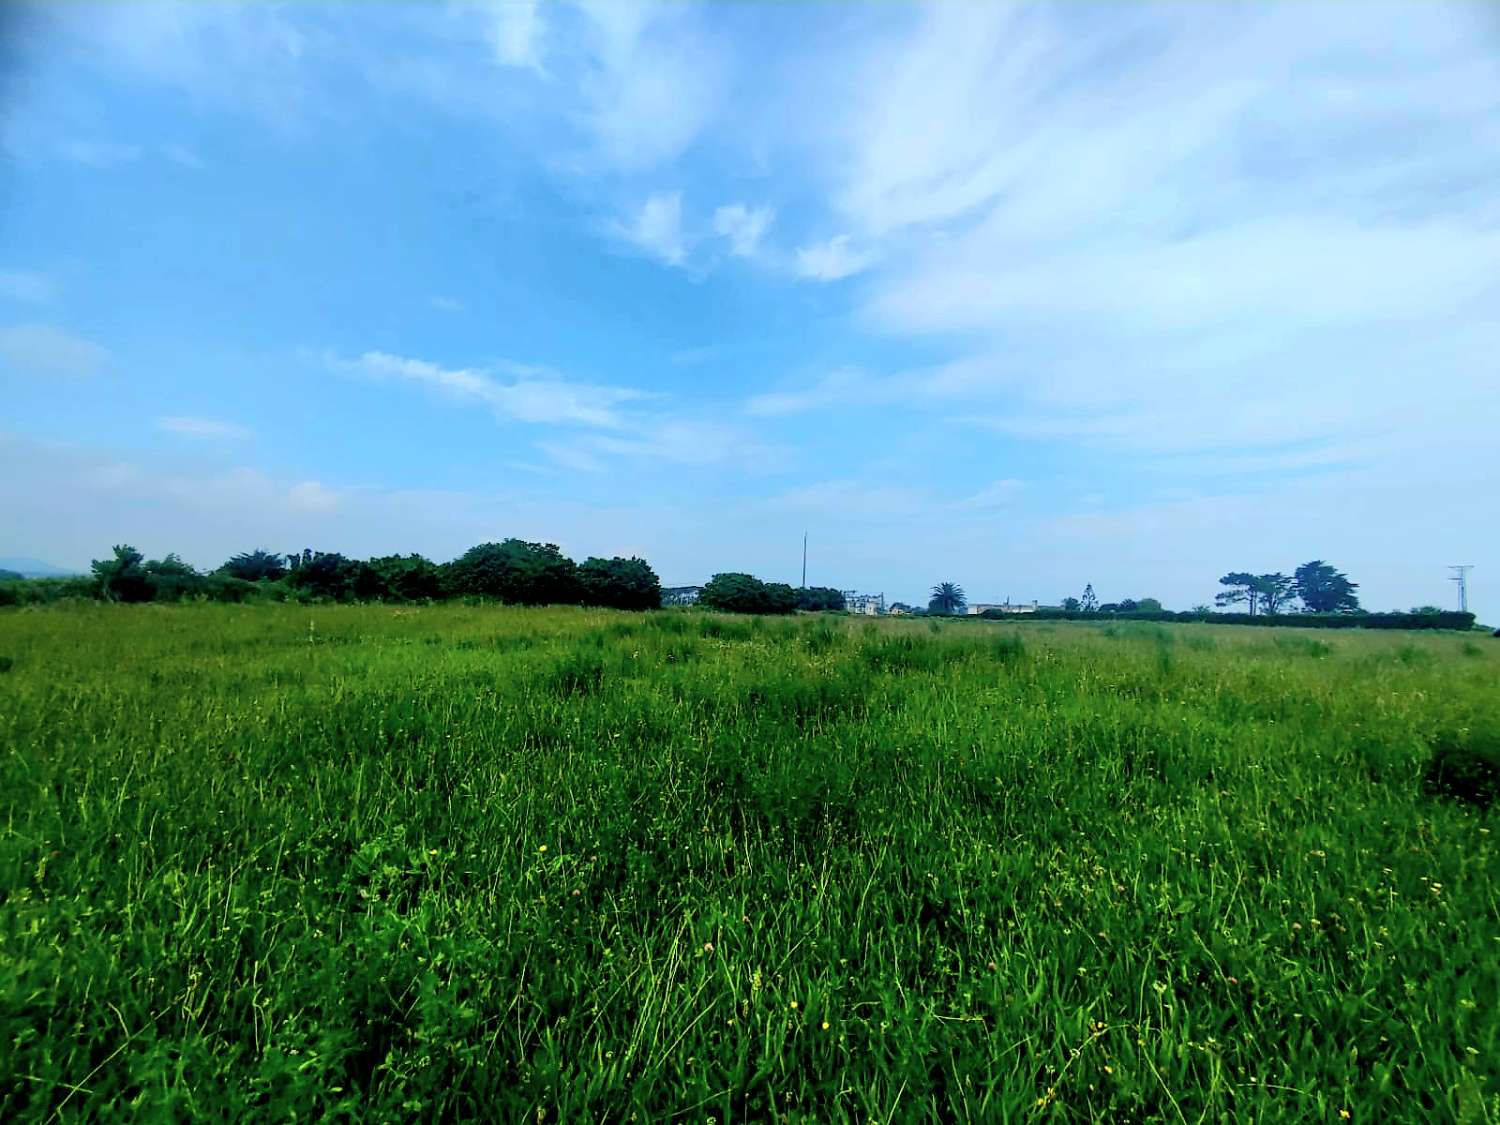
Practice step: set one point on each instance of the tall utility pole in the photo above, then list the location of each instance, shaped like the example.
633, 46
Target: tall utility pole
1461, 576
804, 560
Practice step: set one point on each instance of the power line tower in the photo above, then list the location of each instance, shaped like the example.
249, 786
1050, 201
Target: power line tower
1461, 576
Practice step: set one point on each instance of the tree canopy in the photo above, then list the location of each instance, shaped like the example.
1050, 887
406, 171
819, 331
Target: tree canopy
947, 597
815, 598
255, 566
1324, 589
619, 583
518, 572
744, 593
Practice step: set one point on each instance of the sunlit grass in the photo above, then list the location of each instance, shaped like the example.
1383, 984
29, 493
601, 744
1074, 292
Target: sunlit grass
300, 863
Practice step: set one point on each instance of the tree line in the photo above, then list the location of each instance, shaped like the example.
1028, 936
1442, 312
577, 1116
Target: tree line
513, 571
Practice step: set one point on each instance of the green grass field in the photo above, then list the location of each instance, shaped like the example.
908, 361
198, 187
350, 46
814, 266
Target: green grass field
561, 865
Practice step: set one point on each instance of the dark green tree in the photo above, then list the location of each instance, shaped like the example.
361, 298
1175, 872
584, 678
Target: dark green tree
814, 598
1071, 605
1324, 589
172, 579
1265, 593
619, 583
326, 574
399, 578
744, 593
1090, 603
253, 566
123, 578
517, 572
11, 576
1148, 605
947, 597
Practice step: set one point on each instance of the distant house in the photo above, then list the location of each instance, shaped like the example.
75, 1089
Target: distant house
681, 595
869, 605
1006, 606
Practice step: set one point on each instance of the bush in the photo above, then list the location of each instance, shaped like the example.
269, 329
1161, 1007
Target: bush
815, 598
744, 593
619, 583
516, 571
320, 574
399, 578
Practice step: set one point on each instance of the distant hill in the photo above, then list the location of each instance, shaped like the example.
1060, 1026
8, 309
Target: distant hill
34, 568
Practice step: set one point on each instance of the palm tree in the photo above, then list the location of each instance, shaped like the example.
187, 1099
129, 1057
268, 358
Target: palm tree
947, 597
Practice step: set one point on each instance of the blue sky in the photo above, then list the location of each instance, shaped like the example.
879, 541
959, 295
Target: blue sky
1023, 297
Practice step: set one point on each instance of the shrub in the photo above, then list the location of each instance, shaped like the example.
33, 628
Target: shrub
744, 593
516, 571
815, 598
619, 583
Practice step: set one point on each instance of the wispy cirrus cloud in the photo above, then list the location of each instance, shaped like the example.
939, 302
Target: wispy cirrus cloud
212, 429
832, 260
519, 391
43, 350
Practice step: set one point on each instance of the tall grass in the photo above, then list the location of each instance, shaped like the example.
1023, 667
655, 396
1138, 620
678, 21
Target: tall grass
566, 865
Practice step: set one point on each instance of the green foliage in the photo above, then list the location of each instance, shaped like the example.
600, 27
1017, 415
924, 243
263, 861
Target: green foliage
1072, 605
820, 598
255, 566
325, 575
1324, 589
398, 578
123, 577
516, 572
171, 579
1265, 593
1148, 605
11, 576
947, 597
744, 593
439, 863
619, 583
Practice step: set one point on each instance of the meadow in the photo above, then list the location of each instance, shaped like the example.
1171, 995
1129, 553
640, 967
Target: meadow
441, 863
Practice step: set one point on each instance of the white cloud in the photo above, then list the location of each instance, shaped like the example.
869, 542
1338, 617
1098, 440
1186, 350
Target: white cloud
743, 226
242, 54
183, 157
25, 285
1000, 494
208, 428
99, 154
40, 349
854, 498
311, 496
657, 228
650, 82
841, 386
529, 394
446, 304
517, 33
832, 260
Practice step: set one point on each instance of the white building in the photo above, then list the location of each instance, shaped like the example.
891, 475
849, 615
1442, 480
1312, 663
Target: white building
870, 605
